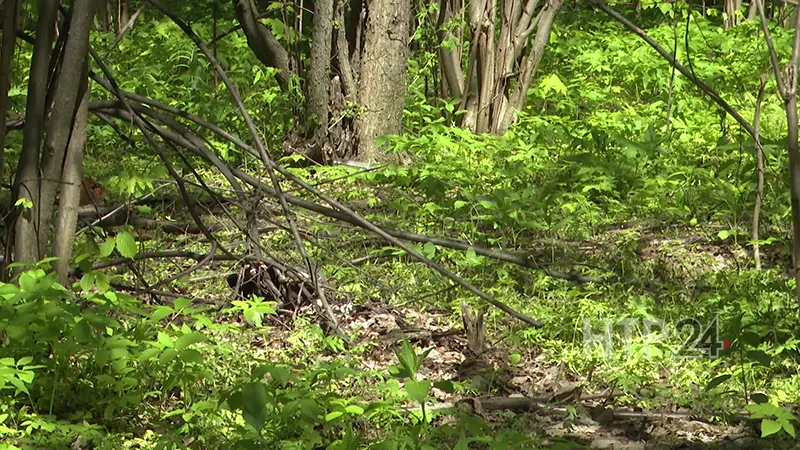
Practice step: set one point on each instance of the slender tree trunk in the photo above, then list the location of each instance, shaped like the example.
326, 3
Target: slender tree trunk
101, 19
794, 164
787, 86
72, 176
449, 53
343, 55
10, 10
319, 72
759, 173
731, 9
26, 185
508, 41
543, 24
752, 11
382, 84
68, 89
123, 14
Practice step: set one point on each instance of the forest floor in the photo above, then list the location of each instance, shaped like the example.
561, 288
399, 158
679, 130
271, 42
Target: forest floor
544, 397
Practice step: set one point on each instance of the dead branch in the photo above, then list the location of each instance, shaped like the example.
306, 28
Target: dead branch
321, 304
528, 404
671, 59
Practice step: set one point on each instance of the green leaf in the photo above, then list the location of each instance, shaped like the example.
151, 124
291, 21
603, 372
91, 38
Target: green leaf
760, 357
27, 282
182, 303
165, 340
724, 234
188, 339
160, 313
281, 374
101, 281
167, 356
788, 427
82, 332
107, 247
147, 355
355, 410
553, 83
446, 386
126, 244
769, 427
25, 360
87, 281
193, 356
418, 390
429, 250
717, 381
8, 289
333, 415
750, 338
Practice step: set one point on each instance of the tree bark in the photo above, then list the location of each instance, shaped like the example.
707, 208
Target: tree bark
543, 24
123, 14
26, 185
68, 89
10, 11
343, 54
101, 18
759, 154
72, 176
319, 72
383, 75
260, 39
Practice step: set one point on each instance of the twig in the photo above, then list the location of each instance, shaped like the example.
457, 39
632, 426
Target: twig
143, 126
685, 72
201, 263
322, 303
127, 26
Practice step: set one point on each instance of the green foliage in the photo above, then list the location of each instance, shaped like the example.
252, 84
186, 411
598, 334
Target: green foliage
592, 149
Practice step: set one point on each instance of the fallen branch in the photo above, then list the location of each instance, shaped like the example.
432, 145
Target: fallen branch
527, 404
277, 192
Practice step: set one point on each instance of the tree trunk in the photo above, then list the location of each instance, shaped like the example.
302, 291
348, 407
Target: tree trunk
450, 52
382, 83
10, 13
319, 72
123, 14
101, 18
67, 94
26, 185
794, 164
72, 176
752, 11
731, 9
501, 63
9, 20
543, 23
261, 41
